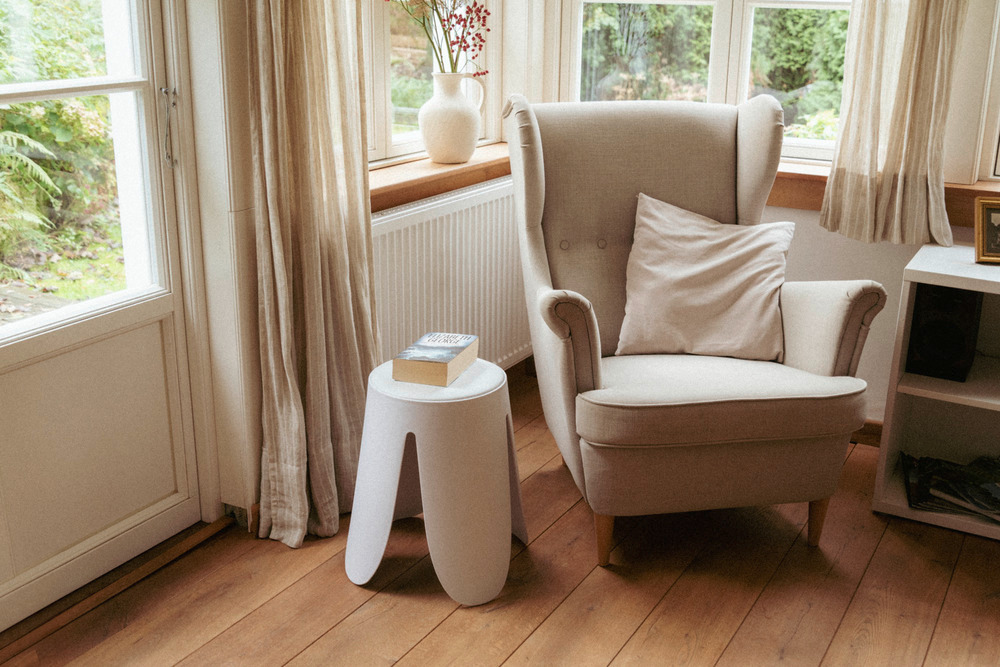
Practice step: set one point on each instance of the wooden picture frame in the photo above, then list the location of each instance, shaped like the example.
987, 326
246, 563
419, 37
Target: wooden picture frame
987, 230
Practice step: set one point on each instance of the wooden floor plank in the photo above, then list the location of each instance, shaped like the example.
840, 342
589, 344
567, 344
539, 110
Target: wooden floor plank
525, 404
968, 630
535, 447
387, 625
126, 580
288, 623
200, 613
415, 604
893, 612
701, 612
799, 611
595, 621
539, 579
143, 600
35, 621
546, 496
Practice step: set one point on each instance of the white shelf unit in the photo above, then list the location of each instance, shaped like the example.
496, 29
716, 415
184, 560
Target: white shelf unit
927, 416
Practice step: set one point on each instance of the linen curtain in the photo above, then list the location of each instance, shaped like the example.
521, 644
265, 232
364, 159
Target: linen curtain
314, 260
887, 179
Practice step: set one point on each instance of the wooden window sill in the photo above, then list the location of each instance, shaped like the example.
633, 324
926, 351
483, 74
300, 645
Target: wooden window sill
797, 186
412, 181
801, 186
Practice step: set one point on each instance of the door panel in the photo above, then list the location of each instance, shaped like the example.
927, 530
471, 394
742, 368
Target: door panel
99, 445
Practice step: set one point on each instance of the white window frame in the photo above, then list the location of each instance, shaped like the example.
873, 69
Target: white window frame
139, 156
376, 45
729, 60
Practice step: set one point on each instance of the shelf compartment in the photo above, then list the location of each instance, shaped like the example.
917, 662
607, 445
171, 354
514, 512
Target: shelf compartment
980, 390
892, 500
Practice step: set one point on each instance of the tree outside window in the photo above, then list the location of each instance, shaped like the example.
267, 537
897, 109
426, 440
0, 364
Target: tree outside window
662, 51
60, 231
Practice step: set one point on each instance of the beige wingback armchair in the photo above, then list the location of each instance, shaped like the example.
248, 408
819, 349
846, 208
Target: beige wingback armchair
653, 434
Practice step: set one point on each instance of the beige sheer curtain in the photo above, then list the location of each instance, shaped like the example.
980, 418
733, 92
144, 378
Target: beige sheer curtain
887, 180
314, 259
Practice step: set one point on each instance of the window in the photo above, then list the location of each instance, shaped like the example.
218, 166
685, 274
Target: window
76, 108
797, 55
397, 78
717, 51
645, 51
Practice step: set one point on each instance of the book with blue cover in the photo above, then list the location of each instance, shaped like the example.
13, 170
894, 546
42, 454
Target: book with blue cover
436, 358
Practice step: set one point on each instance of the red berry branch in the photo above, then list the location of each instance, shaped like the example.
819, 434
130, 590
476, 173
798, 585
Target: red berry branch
456, 30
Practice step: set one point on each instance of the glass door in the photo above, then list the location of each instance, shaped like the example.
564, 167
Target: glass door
96, 444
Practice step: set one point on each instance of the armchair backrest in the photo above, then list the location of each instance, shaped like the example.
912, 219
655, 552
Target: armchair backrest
578, 168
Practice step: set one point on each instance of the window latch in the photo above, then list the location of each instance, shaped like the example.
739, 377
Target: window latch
169, 103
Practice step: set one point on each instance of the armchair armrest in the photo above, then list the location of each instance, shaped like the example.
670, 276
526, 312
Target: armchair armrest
570, 316
826, 323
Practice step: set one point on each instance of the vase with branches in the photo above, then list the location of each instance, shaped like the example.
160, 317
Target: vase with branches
456, 32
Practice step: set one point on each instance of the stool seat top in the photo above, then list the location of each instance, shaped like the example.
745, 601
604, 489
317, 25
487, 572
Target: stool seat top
479, 379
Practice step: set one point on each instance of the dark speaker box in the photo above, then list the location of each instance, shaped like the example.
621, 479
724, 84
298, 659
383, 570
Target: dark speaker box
943, 332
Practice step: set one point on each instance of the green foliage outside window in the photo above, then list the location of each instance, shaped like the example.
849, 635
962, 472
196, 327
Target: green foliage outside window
798, 56
22, 223
411, 64
652, 51
645, 52
67, 140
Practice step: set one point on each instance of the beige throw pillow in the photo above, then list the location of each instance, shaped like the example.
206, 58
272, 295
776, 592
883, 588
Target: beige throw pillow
698, 286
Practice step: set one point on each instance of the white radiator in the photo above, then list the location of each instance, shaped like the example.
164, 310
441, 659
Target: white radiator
451, 263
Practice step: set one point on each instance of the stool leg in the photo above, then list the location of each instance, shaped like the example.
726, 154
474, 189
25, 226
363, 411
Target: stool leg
462, 452
379, 464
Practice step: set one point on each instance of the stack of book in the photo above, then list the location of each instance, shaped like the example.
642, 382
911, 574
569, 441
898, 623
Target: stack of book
436, 358
937, 485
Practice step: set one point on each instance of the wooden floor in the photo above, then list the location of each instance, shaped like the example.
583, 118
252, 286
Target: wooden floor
733, 587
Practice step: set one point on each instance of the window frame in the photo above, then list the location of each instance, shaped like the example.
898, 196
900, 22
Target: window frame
376, 46
729, 59
153, 232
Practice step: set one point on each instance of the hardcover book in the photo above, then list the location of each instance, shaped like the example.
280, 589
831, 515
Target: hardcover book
436, 358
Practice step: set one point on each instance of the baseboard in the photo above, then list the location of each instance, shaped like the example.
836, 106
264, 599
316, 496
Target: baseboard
869, 434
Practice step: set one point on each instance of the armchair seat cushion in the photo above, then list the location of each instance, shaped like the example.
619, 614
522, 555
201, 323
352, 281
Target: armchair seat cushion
679, 399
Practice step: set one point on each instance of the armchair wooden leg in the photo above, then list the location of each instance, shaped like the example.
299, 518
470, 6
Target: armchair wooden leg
603, 527
817, 515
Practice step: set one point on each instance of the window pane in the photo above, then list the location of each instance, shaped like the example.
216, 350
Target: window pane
73, 209
47, 40
797, 55
410, 68
645, 52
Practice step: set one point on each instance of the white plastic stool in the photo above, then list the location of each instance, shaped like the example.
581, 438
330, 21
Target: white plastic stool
449, 450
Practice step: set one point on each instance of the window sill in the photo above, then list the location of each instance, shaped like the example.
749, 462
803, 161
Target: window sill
412, 181
797, 185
